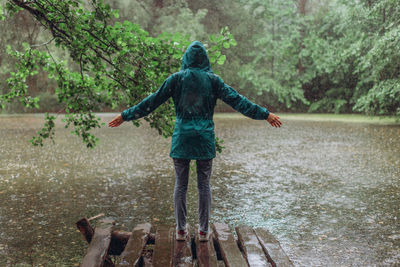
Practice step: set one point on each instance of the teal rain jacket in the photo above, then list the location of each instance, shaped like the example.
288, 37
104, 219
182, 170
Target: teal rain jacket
195, 90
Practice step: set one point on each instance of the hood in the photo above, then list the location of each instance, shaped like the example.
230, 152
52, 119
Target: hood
196, 57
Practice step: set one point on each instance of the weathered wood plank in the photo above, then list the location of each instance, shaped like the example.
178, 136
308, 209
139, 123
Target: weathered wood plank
118, 238
98, 247
273, 250
131, 256
163, 247
86, 229
229, 249
252, 249
205, 251
182, 251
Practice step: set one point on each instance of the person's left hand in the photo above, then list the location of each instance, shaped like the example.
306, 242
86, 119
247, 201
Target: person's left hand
274, 120
117, 121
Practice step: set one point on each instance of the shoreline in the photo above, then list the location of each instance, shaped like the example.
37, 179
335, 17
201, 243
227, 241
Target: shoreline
349, 118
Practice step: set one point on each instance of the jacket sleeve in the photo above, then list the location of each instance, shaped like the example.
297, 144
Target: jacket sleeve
150, 103
241, 103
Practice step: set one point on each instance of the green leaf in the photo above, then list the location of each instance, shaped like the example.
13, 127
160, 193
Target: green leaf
221, 59
212, 38
116, 14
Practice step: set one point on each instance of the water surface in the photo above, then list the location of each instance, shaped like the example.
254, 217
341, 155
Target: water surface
328, 191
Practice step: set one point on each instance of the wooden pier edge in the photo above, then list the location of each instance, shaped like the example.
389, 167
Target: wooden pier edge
149, 245
97, 252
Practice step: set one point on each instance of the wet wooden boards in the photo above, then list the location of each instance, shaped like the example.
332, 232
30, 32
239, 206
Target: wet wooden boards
98, 248
228, 247
163, 249
272, 248
183, 251
157, 246
131, 256
205, 252
251, 247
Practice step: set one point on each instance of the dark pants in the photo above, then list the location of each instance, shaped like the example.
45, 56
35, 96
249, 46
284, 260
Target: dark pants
204, 168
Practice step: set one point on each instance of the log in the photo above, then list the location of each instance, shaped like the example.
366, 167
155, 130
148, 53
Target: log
132, 254
86, 229
183, 251
119, 239
206, 255
228, 247
96, 217
251, 247
273, 250
97, 252
163, 247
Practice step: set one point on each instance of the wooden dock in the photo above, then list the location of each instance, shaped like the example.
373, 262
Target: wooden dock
157, 247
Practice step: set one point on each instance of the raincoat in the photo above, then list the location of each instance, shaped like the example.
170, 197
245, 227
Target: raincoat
195, 90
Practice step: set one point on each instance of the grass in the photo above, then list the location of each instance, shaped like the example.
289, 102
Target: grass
353, 118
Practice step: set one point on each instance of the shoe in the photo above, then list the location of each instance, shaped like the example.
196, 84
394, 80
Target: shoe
181, 235
204, 236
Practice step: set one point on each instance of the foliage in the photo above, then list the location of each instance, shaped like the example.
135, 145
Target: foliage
273, 69
46, 132
352, 58
2, 17
382, 64
382, 99
180, 18
115, 65
339, 56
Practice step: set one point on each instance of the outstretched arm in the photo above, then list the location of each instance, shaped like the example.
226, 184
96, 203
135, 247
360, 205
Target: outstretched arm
245, 106
147, 105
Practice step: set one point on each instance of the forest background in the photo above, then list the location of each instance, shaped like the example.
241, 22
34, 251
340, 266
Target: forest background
290, 56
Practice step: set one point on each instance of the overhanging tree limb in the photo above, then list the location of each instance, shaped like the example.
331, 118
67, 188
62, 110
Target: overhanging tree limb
118, 65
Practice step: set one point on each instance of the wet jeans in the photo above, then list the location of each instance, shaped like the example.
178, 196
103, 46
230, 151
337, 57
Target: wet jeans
204, 168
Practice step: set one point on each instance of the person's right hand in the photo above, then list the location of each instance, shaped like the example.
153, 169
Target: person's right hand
117, 121
274, 120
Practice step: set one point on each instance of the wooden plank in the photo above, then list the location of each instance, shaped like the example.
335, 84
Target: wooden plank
228, 247
86, 229
183, 251
118, 238
131, 256
163, 247
251, 247
98, 247
273, 250
205, 251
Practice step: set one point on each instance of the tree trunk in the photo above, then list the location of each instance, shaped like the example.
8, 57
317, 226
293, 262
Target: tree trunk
301, 7
383, 20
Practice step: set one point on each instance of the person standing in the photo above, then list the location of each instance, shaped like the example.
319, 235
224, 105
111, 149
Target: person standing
194, 90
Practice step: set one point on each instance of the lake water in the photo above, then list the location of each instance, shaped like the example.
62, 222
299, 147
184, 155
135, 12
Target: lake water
328, 191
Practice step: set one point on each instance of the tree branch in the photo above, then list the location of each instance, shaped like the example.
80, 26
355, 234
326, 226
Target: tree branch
44, 44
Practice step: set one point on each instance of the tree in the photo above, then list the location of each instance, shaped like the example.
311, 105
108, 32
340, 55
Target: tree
379, 86
351, 53
273, 69
115, 65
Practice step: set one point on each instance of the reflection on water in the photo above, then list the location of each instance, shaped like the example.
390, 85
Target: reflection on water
329, 191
